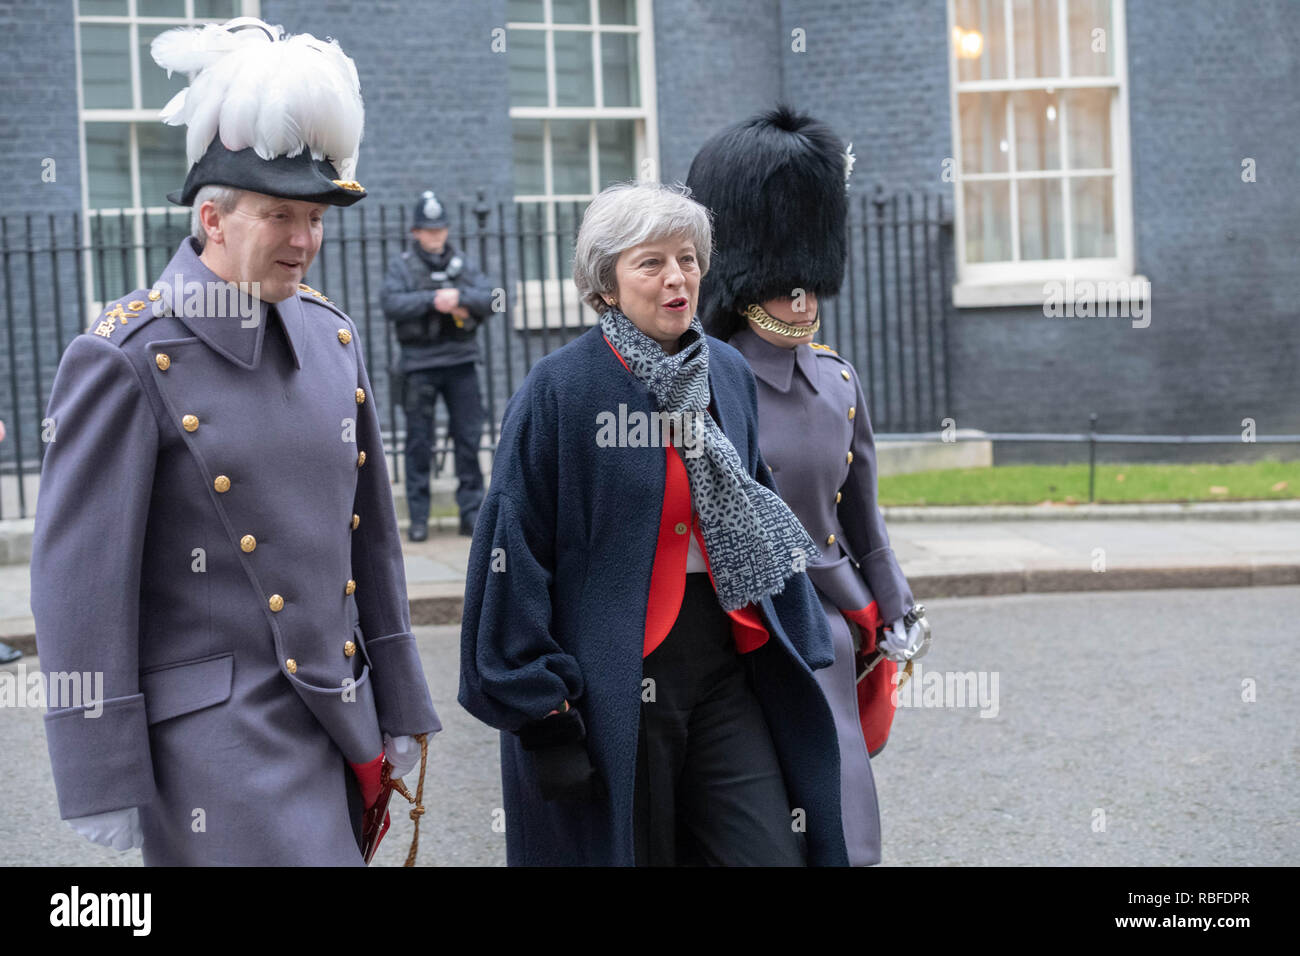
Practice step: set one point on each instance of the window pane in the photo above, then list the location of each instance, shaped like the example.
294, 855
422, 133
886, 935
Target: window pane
617, 150
1038, 130
571, 156
622, 12
106, 66
619, 66
162, 161
160, 8
984, 146
570, 11
102, 8
1042, 225
1092, 207
1089, 49
979, 36
575, 82
527, 52
155, 88
530, 177
1038, 38
524, 11
1088, 128
216, 9
988, 221
108, 165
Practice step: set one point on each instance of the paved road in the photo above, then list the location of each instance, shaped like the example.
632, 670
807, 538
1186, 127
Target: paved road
1117, 708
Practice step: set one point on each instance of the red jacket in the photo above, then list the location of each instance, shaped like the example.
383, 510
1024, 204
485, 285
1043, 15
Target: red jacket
668, 578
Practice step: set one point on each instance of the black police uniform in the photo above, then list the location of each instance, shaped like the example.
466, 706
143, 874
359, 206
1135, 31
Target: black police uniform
438, 356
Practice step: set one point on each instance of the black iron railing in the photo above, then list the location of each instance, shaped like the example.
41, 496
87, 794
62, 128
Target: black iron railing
57, 272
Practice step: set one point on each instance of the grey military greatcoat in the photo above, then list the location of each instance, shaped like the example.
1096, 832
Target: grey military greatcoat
815, 434
215, 533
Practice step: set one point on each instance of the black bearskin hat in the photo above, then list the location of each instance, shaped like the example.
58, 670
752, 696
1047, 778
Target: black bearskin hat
775, 185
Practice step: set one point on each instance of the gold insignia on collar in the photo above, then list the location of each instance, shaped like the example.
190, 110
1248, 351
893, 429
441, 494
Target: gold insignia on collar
351, 185
824, 348
765, 320
310, 291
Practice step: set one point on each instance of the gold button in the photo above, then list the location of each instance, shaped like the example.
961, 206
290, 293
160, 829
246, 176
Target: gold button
838, 496
345, 336
852, 411
221, 483
361, 459
190, 422
356, 520
350, 586
850, 458
681, 528
361, 396
154, 295
349, 649
845, 373
291, 666
830, 539
276, 602
247, 542
163, 361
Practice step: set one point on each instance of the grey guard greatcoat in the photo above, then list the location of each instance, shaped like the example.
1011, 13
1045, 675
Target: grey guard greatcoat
815, 434
215, 533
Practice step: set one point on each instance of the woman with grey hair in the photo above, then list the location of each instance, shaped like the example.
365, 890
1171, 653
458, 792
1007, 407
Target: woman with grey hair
637, 619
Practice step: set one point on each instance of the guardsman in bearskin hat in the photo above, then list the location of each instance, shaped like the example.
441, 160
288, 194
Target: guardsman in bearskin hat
776, 187
215, 533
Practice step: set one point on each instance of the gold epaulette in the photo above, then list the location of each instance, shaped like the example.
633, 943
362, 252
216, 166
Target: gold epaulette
303, 287
824, 348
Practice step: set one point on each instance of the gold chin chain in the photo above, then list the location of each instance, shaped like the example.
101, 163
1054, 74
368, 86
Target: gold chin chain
770, 323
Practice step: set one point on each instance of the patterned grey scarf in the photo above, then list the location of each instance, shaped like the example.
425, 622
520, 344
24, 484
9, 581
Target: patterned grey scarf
754, 541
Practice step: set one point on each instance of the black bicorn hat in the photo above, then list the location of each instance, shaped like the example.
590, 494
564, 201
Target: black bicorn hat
266, 111
430, 213
775, 185
288, 177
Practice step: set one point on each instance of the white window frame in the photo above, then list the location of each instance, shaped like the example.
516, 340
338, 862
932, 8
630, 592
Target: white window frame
132, 117
646, 147
1022, 282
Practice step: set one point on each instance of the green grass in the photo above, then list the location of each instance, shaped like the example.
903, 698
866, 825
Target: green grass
1068, 484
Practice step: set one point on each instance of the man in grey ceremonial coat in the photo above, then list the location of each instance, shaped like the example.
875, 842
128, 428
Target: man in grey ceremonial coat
215, 532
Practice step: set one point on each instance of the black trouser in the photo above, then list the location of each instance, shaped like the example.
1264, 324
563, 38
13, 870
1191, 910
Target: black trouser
458, 385
709, 788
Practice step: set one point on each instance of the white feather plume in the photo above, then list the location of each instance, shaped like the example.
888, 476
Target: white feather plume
278, 96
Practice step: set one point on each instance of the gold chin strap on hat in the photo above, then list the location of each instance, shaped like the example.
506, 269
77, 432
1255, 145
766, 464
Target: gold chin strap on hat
417, 810
770, 323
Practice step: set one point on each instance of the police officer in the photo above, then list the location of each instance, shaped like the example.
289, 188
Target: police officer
436, 300
215, 534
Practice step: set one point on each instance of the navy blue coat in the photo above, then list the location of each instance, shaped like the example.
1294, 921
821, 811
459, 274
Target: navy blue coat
555, 606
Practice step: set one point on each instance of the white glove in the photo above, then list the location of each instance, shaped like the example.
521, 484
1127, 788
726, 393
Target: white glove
119, 829
403, 753
901, 643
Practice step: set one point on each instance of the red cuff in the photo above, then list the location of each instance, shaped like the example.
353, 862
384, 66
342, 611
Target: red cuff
868, 619
368, 776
